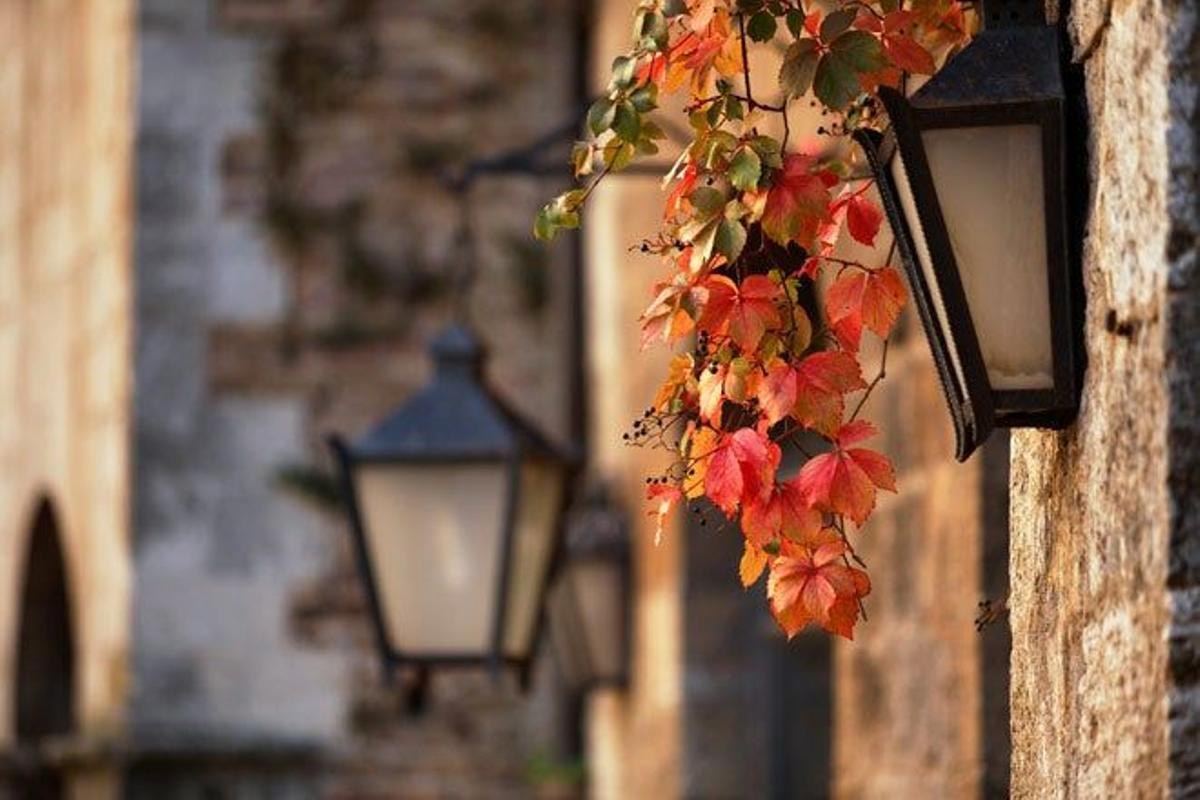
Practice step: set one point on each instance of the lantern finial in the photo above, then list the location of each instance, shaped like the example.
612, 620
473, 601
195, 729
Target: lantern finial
456, 351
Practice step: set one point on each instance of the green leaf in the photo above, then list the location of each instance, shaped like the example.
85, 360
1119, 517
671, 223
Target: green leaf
561, 212
651, 130
713, 115
718, 145
600, 116
861, 50
795, 22
617, 154
581, 158
707, 200
673, 8
645, 98
745, 169
835, 24
729, 239
627, 122
799, 67
761, 27
652, 26
836, 81
733, 108
769, 150
623, 69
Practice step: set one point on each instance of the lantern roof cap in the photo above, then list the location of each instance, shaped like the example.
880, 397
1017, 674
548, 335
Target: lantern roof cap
456, 417
1004, 65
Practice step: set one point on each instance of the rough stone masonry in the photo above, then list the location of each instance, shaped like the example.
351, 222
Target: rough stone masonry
1105, 558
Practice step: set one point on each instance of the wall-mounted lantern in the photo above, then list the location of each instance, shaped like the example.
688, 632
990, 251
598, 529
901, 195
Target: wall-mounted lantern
589, 605
973, 176
456, 506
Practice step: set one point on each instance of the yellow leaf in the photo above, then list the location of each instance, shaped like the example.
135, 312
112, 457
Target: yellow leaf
752, 564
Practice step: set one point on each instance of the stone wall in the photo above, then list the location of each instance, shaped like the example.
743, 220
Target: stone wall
1105, 533
920, 696
65, 294
296, 249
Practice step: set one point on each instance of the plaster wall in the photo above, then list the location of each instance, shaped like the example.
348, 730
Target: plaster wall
65, 294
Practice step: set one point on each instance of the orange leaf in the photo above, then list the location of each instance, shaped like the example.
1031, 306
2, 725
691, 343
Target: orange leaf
741, 469
747, 312
810, 585
859, 298
678, 195
752, 564
906, 54
844, 481
665, 497
782, 513
712, 395
798, 202
699, 447
680, 383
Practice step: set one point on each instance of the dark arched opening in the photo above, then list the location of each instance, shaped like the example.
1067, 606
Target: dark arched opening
45, 684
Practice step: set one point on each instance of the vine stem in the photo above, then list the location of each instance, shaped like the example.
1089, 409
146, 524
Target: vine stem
879, 376
745, 60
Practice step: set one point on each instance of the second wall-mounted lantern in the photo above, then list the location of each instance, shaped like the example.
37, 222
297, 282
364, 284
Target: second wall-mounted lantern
456, 506
973, 173
589, 605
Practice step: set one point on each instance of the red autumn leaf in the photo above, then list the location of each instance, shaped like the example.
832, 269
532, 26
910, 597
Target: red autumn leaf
683, 187
741, 469
822, 380
863, 219
906, 54
901, 48
747, 311
798, 201
665, 497
812, 585
811, 392
812, 23
844, 480
782, 512
653, 70
859, 298
777, 392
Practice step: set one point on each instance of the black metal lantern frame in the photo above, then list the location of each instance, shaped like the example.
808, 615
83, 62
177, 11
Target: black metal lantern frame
456, 420
1011, 74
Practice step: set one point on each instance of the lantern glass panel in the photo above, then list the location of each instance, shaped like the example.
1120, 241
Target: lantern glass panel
989, 185
538, 505
908, 206
597, 585
567, 633
434, 532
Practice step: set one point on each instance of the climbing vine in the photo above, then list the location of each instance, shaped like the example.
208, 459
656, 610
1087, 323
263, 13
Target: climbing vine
752, 224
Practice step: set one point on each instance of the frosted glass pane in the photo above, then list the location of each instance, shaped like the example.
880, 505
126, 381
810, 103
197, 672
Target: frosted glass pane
533, 539
989, 185
567, 634
434, 536
598, 585
908, 206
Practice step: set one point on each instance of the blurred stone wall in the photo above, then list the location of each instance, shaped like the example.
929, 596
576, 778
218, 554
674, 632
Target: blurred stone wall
296, 249
921, 698
65, 296
1106, 515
